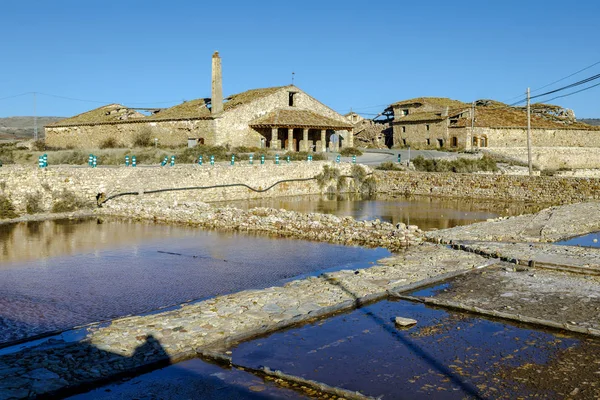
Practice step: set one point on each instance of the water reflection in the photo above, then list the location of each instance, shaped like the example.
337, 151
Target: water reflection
426, 212
71, 273
42, 239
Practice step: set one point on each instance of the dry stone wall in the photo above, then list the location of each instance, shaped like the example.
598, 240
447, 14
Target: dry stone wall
19, 182
554, 157
538, 189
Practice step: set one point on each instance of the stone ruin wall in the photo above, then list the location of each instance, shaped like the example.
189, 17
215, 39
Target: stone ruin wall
536, 189
17, 182
168, 133
553, 158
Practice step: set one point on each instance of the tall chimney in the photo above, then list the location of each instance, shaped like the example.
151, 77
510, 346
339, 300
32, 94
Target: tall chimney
216, 101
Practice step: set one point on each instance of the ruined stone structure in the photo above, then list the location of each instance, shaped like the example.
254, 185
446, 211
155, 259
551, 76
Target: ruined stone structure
430, 122
282, 117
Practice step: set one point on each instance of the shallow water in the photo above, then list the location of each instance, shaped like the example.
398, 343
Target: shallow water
446, 354
77, 272
425, 212
589, 240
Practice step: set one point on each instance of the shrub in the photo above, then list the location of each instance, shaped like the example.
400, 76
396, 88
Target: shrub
328, 174
143, 139
389, 166
7, 209
350, 151
303, 155
245, 149
67, 157
33, 203
461, 165
110, 143
67, 201
38, 145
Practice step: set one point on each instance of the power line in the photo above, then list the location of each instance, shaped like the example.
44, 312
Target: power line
578, 83
16, 95
559, 80
103, 102
575, 92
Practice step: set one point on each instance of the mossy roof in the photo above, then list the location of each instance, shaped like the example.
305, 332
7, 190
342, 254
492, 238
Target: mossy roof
298, 118
496, 116
436, 101
193, 109
112, 113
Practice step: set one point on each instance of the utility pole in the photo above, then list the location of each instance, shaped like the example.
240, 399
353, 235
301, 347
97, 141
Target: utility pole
529, 132
468, 145
35, 129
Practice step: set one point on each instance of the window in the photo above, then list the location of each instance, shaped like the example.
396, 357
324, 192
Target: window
440, 142
403, 129
291, 99
404, 142
427, 126
405, 112
428, 142
454, 141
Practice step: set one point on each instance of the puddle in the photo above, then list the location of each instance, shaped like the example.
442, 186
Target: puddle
426, 212
447, 355
589, 240
156, 266
193, 379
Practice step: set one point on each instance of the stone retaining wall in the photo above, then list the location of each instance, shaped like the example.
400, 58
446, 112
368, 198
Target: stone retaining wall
537, 189
553, 157
19, 182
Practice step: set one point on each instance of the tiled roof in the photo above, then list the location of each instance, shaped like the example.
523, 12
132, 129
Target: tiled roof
298, 118
112, 113
193, 109
436, 101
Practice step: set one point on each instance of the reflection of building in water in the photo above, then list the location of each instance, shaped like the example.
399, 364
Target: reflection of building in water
34, 240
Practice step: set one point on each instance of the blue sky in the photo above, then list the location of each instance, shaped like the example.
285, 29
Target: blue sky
359, 54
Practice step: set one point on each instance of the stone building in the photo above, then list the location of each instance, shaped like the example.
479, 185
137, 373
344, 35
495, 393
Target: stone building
283, 117
431, 122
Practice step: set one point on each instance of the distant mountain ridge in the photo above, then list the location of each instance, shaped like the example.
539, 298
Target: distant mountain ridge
591, 121
22, 127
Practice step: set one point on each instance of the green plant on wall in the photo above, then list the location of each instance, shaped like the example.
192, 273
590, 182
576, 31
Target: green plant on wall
7, 208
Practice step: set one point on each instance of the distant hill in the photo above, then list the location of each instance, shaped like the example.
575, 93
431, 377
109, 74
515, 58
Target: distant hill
22, 127
591, 121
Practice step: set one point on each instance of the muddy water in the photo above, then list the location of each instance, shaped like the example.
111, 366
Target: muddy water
426, 212
446, 355
61, 274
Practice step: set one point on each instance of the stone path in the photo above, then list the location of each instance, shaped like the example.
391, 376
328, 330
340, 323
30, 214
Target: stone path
570, 258
282, 223
549, 225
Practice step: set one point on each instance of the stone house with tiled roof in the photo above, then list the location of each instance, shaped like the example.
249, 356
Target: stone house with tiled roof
431, 122
283, 117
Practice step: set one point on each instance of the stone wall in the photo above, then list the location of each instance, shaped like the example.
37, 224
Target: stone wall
421, 135
553, 157
233, 126
19, 182
168, 133
538, 189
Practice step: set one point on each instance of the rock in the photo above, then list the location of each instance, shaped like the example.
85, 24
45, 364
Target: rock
42, 374
404, 322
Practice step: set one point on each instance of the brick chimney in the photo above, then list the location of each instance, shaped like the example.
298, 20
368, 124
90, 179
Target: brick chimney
216, 94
